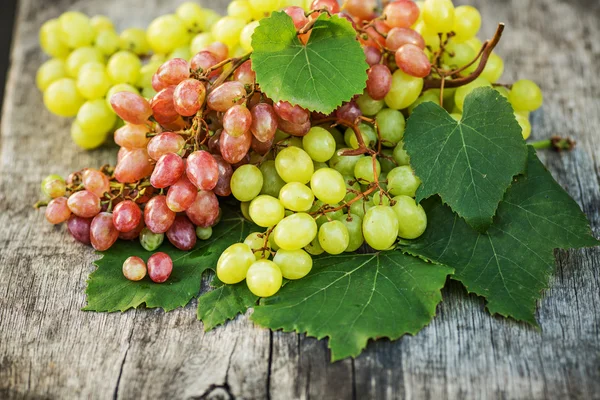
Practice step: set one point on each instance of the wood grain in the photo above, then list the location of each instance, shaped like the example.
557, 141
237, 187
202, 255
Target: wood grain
51, 349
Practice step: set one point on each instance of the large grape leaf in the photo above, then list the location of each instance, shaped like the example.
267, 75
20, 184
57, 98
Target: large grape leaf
328, 70
513, 262
470, 163
223, 303
108, 290
354, 298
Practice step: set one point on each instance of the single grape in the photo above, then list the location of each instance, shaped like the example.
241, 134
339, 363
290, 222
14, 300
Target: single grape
365, 170
132, 136
131, 107
398, 37
119, 87
204, 211
256, 241
50, 71
133, 234
79, 228
234, 262
101, 23
334, 237
92, 81
53, 186
372, 55
349, 112
494, 68
344, 164
95, 118
192, 16
57, 211
62, 98
124, 67
293, 129
525, 125
200, 42
50, 39
204, 233
103, 233
202, 170
294, 165
161, 144
226, 96
463, 91
134, 269
264, 122
353, 224
380, 227
314, 247
182, 233
413, 61
401, 14
391, 125
429, 95
157, 216
227, 30
467, 22
246, 182
403, 181
294, 114
460, 54
173, 72
84, 204
295, 231
439, 15
266, 211
240, 9
367, 132
296, 197
379, 81
272, 182
245, 74
126, 216
181, 195
294, 264
189, 97
167, 171
264, 278
223, 187
328, 185
166, 33
163, 106
525, 95
134, 40
203, 61
246, 36
95, 182
151, 241
237, 120
411, 217
76, 29
234, 149
84, 139
108, 42
331, 5
362, 9
319, 144
160, 267
405, 90
134, 166
368, 106
219, 49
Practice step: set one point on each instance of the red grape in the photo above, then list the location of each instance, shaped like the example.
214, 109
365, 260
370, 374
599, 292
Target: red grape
134, 165
163, 107
202, 170
157, 216
297, 15
245, 74
223, 187
361, 9
134, 269
131, 107
79, 228
173, 71
264, 122
294, 114
58, 211
203, 61
294, 129
166, 142
157, 85
182, 234
372, 54
134, 234
189, 96
237, 120
226, 95
379, 81
262, 148
181, 195
167, 171
84, 204
103, 233
331, 5
412, 60
132, 136
204, 211
349, 112
220, 50
401, 14
234, 149
160, 267
398, 37
96, 182
126, 216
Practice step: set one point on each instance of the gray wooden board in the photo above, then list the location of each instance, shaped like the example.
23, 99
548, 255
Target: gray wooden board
51, 349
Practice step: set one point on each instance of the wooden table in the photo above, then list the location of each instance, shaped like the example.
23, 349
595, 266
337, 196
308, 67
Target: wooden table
51, 349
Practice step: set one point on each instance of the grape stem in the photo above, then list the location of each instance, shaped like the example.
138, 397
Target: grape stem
555, 143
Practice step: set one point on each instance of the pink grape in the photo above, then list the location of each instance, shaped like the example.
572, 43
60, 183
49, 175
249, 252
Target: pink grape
398, 37
245, 74
167, 171
223, 187
182, 234
133, 166
204, 211
157, 216
203, 61
189, 96
126, 216
84, 204
103, 233
134, 269
157, 85
159, 267
220, 50
412, 60
58, 211
134, 234
233, 149
121, 153
294, 129
262, 148
297, 15
294, 114
132, 136
401, 14
163, 143
181, 195
375, 33
264, 122
226, 95
173, 71
163, 107
79, 228
176, 125
202, 170
131, 107
331, 5
349, 112
372, 54
361, 9
379, 81
96, 182
237, 120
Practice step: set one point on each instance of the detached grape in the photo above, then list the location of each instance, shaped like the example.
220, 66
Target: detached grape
134, 269
160, 267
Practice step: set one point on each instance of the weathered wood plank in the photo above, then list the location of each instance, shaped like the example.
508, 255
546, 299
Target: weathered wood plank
51, 349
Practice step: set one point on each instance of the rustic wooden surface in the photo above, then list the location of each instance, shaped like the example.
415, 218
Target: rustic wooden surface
51, 349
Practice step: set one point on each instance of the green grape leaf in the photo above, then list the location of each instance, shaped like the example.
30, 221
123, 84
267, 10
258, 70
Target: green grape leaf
223, 303
108, 290
512, 263
469, 163
328, 70
354, 298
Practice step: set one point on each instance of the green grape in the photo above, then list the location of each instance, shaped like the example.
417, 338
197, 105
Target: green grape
264, 278
245, 209
525, 95
319, 144
264, 6
334, 237
475, 43
146, 73
204, 233
467, 22
93, 81
294, 3
405, 90
366, 131
272, 182
192, 16
412, 220
400, 155
402, 181
296, 197
353, 224
458, 55
227, 30
456, 116
494, 68
81, 56
50, 40
525, 125
62, 97
54, 186
380, 200
240, 9
166, 33
504, 92
292, 141
95, 118
344, 164
391, 125
463, 91
294, 165
234, 263
295, 232
101, 23
328, 185
120, 87
387, 163
431, 37
50, 71
314, 247
363, 170
319, 165
200, 42
439, 15
266, 211
246, 182
181, 52
294, 264
330, 215
246, 36
83, 139
368, 106
151, 241
380, 227
355, 186
124, 67
76, 29
134, 40
361, 207
108, 42
256, 241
